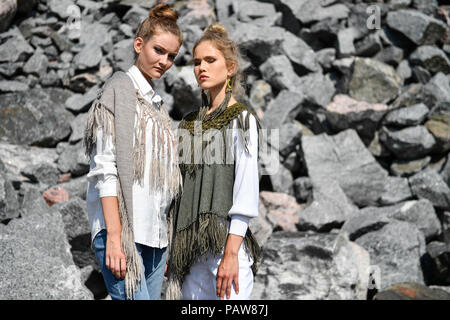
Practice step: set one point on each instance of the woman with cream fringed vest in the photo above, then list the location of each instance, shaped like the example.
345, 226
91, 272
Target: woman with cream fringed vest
134, 174
213, 254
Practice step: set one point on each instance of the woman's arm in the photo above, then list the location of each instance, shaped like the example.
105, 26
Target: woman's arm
105, 171
245, 207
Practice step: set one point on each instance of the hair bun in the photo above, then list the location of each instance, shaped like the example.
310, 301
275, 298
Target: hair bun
163, 11
217, 29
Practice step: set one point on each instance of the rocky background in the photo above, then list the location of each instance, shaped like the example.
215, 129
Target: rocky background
360, 91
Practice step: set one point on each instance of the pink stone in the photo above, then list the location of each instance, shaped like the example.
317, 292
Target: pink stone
344, 104
54, 195
64, 178
283, 208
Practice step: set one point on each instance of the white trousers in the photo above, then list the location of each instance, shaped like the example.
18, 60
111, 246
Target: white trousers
200, 283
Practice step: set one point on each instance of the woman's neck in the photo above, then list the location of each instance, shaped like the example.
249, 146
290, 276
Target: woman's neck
216, 97
146, 76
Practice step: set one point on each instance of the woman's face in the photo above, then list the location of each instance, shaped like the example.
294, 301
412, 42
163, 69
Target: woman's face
210, 66
156, 55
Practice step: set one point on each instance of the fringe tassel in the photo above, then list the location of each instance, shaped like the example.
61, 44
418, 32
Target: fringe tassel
134, 267
98, 117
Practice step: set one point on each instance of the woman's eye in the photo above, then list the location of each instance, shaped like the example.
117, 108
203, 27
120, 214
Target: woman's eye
172, 57
196, 63
158, 50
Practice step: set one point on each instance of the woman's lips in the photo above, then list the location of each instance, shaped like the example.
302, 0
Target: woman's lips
203, 77
159, 69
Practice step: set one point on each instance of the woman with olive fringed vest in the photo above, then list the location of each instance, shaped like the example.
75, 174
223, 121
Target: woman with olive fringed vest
213, 253
134, 174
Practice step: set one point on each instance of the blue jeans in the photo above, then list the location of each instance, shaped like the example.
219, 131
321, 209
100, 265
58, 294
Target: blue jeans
153, 261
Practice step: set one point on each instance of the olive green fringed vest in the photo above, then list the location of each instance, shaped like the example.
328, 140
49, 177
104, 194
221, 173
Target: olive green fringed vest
200, 221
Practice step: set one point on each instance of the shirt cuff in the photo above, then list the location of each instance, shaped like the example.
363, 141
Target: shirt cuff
108, 190
239, 225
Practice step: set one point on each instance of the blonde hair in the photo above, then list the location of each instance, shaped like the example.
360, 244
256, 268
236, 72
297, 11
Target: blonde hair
161, 18
217, 34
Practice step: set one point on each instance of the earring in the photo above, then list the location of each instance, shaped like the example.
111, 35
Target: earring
229, 86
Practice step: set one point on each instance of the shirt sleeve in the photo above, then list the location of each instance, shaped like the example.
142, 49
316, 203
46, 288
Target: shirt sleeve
103, 167
246, 183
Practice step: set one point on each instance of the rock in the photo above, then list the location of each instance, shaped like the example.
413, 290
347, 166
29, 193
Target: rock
325, 57
44, 173
302, 189
436, 91
408, 143
329, 209
184, 89
445, 171
81, 102
346, 38
9, 203
60, 8
78, 125
89, 57
411, 291
281, 210
408, 116
73, 160
408, 168
404, 70
260, 95
439, 126
428, 184
17, 158
263, 225
39, 237
36, 117
344, 113
55, 195
12, 86
311, 267
299, 53
317, 88
37, 64
416, 26
282, 109
396, 249
439, 255
33, 201
344, 158
290, 137
8, 9
257, 42
368, 46
251, 10
124, 54
279, 72
374, 82
15, 49
282, 181
75, 187
390, 55
396, 189
431, 58
316, 11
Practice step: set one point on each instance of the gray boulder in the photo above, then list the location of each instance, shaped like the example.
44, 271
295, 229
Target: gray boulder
36, 117
78, 125
37, 64
81, 102
428, 184
299, 53
408, 143
8, 9
431, 58
303, 266
282, 109
439, 125
279, 72
9, 203
344, 158
317, 88
408, 116
44, 173
7, 86
39, 238
396, 189
416, 26
15, 49
75, 187
395, 251
439, 254
329, 208
436, 91
406, 168
72, 159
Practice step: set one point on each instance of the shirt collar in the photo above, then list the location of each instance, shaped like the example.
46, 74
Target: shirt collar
142, 83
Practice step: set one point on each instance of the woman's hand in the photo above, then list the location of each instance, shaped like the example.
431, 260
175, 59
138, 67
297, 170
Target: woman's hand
115, 258
228, 271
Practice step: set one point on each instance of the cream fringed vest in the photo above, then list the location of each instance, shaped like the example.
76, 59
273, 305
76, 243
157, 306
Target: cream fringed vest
114, 110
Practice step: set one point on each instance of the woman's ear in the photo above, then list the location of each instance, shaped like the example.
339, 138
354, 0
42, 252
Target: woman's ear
138, 44
232, 69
